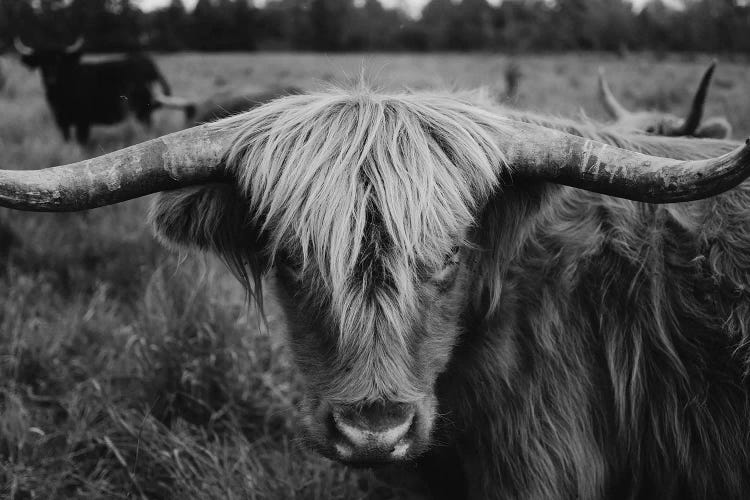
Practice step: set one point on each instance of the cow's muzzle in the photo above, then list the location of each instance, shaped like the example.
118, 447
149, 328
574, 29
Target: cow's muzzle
374, 432
369, 433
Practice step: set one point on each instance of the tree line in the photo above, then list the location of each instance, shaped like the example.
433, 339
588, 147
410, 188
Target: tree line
366, 25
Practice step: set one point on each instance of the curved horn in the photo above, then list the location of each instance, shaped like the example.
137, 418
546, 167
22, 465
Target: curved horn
21, 47
194, 156
184, 158
75, 46
608, 99
693, 121
554, 156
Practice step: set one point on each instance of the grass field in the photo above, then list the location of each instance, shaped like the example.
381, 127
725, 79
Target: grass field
130, 372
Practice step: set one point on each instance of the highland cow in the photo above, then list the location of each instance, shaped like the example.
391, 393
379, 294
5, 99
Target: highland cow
506, 301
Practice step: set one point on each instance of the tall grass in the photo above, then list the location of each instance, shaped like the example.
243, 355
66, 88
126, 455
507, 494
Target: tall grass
127, 372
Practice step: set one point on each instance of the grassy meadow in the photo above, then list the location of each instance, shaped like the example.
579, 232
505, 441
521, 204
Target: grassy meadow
130, 372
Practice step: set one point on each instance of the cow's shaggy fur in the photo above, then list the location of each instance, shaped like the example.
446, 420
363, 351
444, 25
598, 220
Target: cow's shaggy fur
601, 349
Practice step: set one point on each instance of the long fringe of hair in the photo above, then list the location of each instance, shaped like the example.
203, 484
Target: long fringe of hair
314, 167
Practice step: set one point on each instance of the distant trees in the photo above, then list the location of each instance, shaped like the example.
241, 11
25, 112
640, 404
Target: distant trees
458, 26
339, 25
169, 28
222, 25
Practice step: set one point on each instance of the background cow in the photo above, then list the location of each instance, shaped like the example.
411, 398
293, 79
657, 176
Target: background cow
660, 123
81, 94
506, 305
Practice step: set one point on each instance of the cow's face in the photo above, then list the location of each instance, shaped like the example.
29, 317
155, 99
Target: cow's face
364, 210
53, 64
372, 319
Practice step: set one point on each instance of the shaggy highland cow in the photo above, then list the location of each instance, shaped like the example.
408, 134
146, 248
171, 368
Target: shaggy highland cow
517, 311
659, 123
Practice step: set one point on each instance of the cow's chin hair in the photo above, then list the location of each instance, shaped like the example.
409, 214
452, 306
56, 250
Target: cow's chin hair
316, 429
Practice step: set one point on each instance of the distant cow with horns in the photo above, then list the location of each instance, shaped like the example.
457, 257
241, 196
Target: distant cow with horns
659, 123
519, 311
82, 94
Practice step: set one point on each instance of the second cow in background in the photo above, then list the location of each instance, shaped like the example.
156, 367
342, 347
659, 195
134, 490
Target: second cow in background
659, 123
82, 94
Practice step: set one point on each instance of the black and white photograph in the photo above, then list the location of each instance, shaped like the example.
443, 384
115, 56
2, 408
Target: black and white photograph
375, 249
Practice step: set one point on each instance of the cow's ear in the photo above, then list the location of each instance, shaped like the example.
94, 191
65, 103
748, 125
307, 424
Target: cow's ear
715, 128
210, 217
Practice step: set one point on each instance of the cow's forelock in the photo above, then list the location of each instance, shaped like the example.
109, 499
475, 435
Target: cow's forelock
369, 193
322, 172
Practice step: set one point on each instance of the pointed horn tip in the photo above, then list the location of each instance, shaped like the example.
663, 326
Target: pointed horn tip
76, 46
21, 47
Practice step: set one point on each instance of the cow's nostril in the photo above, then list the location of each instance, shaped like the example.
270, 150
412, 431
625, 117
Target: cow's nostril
374, 417
376, 424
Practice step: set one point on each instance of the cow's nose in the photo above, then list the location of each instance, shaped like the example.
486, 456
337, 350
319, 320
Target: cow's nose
380, 427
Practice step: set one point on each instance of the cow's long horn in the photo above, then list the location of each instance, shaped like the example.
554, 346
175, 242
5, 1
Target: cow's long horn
609, 101
22, 48
192, 156
75, 46
557, 157
693, 120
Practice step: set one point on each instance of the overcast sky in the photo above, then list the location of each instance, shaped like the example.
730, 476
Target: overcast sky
412, 6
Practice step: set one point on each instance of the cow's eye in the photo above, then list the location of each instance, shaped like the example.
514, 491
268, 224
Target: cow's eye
290, 268
452, 258
289, 274
651, 130
449, 265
